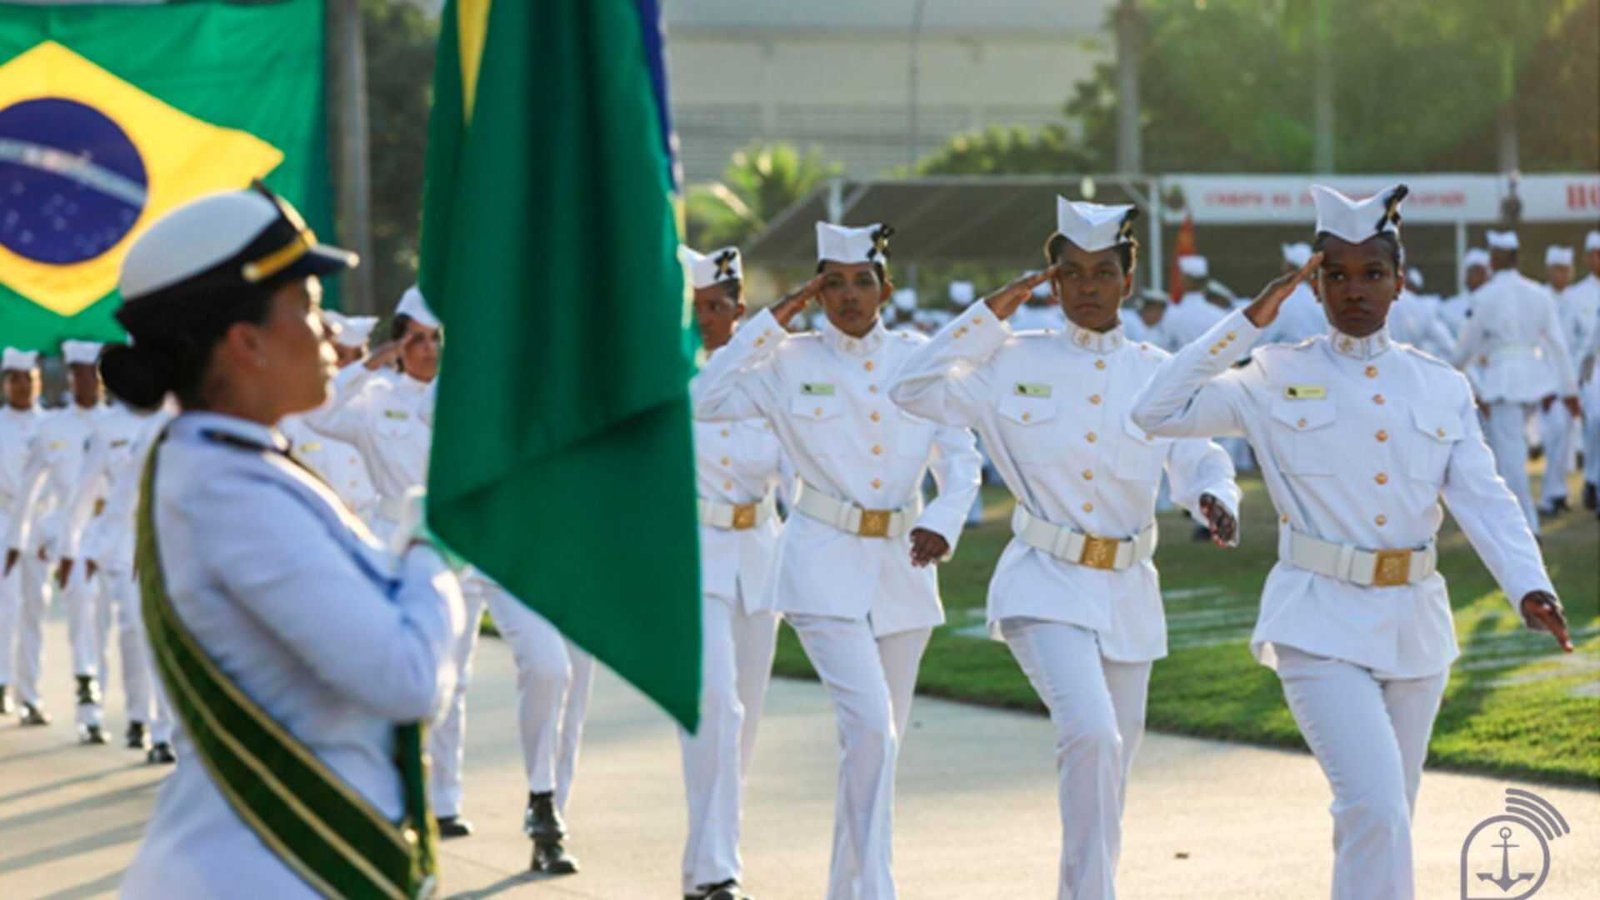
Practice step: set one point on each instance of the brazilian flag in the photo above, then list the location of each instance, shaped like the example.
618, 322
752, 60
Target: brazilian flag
112, 115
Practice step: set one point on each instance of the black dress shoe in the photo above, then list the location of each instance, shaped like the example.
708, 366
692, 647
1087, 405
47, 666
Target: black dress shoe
92, 734
1555, 507
34, 715
138, 736
161, 755
6, 707
722, 890
551, 858
542, 822
453, 827
1591, 495
88, 690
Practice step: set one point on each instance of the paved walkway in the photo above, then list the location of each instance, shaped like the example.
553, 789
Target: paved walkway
976, 813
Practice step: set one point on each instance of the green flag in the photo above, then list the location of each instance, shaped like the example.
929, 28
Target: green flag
562, 464
112, 115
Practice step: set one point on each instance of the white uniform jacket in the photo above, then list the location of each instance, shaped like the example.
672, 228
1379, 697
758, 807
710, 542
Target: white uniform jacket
50, 478
736, 464
107, 494
338, 462
1514, 337
17, 428
388, 416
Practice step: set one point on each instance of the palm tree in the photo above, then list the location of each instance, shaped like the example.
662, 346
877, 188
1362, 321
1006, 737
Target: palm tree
760, 182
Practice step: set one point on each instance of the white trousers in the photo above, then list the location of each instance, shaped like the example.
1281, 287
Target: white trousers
1370, 735
554, 678
736, 664
1590, 394
87, 624
870, 681
37, 591
1098, 708
1505, 429
1558, 429
447, 740
10, 609
146, 700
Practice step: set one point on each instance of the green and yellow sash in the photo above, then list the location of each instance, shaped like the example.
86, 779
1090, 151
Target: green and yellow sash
294, 803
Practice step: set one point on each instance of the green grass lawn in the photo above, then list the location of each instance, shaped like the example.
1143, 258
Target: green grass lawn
1514, 706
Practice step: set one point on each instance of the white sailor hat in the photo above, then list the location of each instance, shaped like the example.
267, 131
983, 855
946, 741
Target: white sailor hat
962, 293
14, 360
1414, 278
905, 299
414, 307
1475, 258
354, 331
234, 240
706, 270
1502, 240
81, 353
1558, 256
1591, 242
1151, 295
1358, 220
1094, 226
836, 243
1194, 266
1297, 254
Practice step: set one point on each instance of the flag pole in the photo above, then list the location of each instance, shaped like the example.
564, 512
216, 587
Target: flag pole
346, 89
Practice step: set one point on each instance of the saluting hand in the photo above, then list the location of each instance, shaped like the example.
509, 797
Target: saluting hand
1224, 527
927, 547
1010, 298
795, 302
1264, 309
382, 356
1542, 612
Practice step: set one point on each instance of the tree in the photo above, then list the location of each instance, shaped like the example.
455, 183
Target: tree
1017, 150
760, 182
400, 48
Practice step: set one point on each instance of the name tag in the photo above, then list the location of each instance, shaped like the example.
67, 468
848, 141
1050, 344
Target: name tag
1305, 392
816, 390
310, 446
120, 442
399, 414
1033, 390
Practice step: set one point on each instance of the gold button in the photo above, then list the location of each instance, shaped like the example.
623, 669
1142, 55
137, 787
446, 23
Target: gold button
867, 365
1301, 423
872, 389
1284, 518
727, 485
1213, 352
725, 432
760, 341
1382, 520
1027, 417
877, 483
1440, 432
1372, 371
1088, 507
977, 320
1378, 399
1382, 436
877, 449
726, 461
1099, 364
960, 332
1231, 335
1088, 474
1090, 437
818, 410
1094, 399
1381, 478
875, 416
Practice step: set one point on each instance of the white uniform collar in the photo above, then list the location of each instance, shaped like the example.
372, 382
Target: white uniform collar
1373, 345
1100, 342
405, 380
192, 424
1197, 296
862, 346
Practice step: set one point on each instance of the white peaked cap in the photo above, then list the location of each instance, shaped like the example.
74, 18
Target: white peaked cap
1358, 220
1414, 278
1297, 254
412, 304
1592, 242
80, 353
1558, 256
836, 243
1151, 295
355, 330
1502, 240
1194, 266
721, 265
1094, 226
1477, 257
905, 299
962, 293
14, 360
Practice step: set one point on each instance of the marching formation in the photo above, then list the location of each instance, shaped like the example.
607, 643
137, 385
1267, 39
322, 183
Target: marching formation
242, 521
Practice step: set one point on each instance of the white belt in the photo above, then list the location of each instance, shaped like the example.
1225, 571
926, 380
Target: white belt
852, 519
1513, 351
1067, 545
1367, 568
738, 517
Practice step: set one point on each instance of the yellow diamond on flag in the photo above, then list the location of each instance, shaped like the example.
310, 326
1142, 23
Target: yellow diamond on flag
86, 161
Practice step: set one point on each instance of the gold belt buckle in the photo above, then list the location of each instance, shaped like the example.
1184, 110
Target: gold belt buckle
1392, 569
1099, 552
874, 523
744, 517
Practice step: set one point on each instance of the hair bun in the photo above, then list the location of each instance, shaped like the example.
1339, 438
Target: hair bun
139, 376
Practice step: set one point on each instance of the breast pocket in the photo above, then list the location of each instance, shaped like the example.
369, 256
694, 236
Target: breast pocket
1029, 427
1303, 436
819, 421
1436, 431
394, 424
1139, 455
